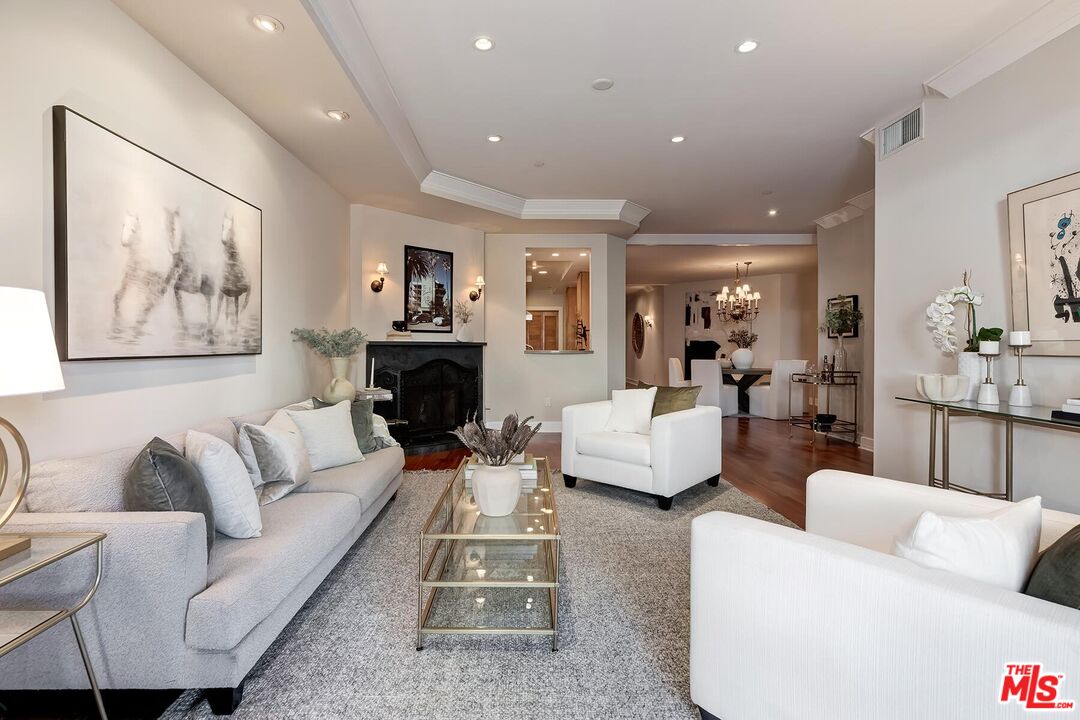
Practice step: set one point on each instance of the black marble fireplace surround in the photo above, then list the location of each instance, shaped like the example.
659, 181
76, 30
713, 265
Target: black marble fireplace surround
437, 387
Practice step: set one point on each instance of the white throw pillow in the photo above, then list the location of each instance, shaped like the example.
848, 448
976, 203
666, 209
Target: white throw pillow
631, 411
280, 454
236, 506
999, 548
328, 435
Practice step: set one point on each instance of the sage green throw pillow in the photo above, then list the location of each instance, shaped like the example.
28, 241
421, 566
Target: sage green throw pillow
673, 399
1056, 577
361, 411
161, 479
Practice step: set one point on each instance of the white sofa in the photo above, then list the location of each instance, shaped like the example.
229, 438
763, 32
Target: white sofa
828, 623
771, 401
709, 375
682, 450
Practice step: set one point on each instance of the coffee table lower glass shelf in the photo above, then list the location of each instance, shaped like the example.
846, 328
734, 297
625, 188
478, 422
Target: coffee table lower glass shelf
490, 575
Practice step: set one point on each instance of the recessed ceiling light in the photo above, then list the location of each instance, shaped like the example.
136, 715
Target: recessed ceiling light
584, 254
603, 84
528, 254
267, 24
677, 139
542, 272
494, 138
483, 43
339, 115
746, 46
554, 254
772, 212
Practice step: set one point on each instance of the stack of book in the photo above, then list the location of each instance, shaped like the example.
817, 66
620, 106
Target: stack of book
1069, 412
398, 335
526, 465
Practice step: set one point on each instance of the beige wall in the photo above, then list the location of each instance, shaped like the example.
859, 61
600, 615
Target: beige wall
89, 55
651, 367
941, 209
846, 267
541, 385
378, 235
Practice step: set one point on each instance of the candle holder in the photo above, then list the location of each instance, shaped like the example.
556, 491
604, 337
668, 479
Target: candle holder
988, 392
1020, 394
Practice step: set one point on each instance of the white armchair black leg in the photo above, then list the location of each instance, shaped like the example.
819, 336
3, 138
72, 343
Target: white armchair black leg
569, 480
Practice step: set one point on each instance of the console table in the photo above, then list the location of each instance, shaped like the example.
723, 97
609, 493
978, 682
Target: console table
1035, 416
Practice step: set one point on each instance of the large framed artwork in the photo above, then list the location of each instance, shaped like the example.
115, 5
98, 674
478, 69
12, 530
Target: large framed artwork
1044, 237
151, 260
429, 290
833, 303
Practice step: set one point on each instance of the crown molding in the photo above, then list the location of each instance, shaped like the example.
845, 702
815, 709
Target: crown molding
449, 187
1032, 32
723, 239
853, 208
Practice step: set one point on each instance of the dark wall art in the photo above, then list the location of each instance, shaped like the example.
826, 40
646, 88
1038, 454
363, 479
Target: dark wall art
429, 290
151, 260
851, 301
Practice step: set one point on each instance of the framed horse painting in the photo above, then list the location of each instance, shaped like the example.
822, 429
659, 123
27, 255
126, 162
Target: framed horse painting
151, 260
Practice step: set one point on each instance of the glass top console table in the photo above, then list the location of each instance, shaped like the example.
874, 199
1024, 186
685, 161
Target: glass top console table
1035, 416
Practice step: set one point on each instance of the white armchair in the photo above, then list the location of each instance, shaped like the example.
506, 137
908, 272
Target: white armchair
675, 375
771, 401
828, 624
710, 376
682, 450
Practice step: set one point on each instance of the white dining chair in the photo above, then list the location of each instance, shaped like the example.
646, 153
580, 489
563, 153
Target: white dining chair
676, 376
771, 401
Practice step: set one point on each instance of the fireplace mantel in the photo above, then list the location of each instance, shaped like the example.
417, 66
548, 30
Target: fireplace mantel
422, 343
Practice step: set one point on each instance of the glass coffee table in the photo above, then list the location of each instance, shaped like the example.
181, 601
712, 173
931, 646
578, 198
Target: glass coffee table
490, 575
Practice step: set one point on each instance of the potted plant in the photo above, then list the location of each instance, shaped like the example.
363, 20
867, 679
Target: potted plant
496, 484
841, 319
464, 315
941, 320
743, 339
339, 346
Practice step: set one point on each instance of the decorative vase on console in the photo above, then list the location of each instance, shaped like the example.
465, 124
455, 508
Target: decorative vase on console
743, 339
338, 347
463, 315
496, 484
842, 318
941, 320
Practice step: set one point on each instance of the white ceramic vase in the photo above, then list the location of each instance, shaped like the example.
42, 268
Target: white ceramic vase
496, 489
464, 333
742, 359
970, 365
339, 387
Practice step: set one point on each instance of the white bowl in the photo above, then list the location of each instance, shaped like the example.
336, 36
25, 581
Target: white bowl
942, 388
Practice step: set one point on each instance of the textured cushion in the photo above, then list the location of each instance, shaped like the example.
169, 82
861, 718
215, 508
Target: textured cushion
999, 548
328, 435
236, 506
248, 579
94, 483
281, 455
365, 480
631, 411
675, 399
381, 437
161, 479
1056, 576
625, 447
363, 420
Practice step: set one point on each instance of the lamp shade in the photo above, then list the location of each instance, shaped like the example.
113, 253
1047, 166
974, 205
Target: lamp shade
382, 269
480, 281
29, 363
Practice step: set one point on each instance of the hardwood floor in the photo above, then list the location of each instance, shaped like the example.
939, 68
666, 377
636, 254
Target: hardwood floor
758, 458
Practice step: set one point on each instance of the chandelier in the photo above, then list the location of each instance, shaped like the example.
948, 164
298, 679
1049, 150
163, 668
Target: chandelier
742, 304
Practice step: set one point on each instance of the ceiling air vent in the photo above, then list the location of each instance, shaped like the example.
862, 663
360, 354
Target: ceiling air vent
906, 130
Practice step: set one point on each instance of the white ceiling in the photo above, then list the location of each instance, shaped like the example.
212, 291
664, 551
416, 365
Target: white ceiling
669, 264
783, 120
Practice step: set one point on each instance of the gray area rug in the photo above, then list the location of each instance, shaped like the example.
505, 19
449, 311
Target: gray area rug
624, 624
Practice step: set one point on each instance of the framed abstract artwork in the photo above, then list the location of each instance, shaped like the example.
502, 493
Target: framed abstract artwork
1044, 240
851, 301
151, 260
429, 290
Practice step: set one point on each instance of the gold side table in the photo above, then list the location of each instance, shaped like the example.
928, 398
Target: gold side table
18, 627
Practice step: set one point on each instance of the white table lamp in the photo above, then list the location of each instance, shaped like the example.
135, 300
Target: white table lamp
28, 366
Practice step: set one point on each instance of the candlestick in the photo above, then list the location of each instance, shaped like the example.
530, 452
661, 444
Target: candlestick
1020, 338
371, 383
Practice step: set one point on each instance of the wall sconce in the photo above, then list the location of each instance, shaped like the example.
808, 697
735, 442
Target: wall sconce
474, 295
648, 321
377, 285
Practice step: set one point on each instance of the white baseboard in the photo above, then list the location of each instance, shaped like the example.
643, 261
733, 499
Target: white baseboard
866, 443
548, 426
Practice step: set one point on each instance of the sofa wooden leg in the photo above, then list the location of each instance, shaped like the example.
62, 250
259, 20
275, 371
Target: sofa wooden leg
714, 481
569, 480
224, 701
663, 502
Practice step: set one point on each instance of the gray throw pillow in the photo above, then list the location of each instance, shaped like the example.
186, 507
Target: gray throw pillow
161, 479
362, 411
1056, 577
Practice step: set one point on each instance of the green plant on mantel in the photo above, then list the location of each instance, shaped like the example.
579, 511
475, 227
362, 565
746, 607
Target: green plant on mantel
742, 338
331, 343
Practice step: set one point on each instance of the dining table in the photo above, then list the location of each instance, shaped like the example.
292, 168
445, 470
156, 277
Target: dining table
744, 379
